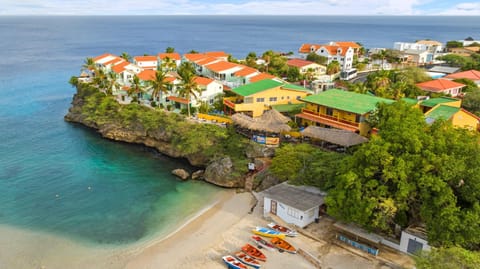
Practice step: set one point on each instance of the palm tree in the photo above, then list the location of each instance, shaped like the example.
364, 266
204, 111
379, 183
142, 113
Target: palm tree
111, 83
88, 64
188, 86
168, 64
126, 56
136, 88
169, 50
159, 85
333, 68
100, 79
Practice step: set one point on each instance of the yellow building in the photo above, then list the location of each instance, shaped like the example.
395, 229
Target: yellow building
459, 117
254, 98
340, 109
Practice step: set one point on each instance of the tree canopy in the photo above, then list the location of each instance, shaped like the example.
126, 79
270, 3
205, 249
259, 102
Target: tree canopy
448, 258
413, 173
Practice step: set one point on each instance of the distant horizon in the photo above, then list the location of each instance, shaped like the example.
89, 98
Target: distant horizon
235, 15
242, 7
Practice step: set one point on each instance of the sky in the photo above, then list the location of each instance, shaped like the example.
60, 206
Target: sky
239, 7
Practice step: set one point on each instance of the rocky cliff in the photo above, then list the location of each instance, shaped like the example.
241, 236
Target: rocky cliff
219, 171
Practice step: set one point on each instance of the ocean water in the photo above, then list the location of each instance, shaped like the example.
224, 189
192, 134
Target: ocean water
64, 179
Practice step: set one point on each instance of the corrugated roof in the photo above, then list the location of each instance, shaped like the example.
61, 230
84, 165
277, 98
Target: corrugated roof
442, 112
288, 107
435, 101
256, 87
411, 101
346, 101
295, 197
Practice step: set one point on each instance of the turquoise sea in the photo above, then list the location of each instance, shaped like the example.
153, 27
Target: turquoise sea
66, 180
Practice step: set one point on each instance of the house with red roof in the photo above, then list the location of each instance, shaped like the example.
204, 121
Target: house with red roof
342, 54
305, 67
444, 86
146, 62
472, 75
210, 89
165, 58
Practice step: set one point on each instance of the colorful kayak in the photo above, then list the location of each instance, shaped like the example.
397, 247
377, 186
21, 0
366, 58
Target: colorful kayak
283, 245
267, 232
254, 252
247, 260
262, 243
283, 229
233, 263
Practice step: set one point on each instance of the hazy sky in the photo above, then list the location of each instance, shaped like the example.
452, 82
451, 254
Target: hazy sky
270, 7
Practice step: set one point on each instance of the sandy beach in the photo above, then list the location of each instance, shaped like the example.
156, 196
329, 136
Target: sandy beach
220, 229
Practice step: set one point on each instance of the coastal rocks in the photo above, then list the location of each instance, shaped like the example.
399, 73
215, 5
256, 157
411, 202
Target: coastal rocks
198, 174
220, 172
265, 180
181, 173
255, 150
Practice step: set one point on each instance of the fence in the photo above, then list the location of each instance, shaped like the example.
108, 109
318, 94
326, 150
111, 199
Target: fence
355, 244
214, 118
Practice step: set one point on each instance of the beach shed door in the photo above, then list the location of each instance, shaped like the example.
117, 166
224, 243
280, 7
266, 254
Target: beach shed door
273, 207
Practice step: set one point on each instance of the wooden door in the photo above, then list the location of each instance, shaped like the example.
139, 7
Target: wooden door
273, 207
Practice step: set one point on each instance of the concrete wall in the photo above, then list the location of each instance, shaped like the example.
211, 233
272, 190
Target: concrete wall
405, 239
291, 215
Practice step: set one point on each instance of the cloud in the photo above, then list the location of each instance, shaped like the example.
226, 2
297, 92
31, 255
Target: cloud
238, 7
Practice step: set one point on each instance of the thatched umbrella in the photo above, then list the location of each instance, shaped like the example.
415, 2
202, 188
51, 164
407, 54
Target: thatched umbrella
335, 136
258, 124
274, 116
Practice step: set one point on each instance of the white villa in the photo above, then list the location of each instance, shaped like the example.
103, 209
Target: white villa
305, 66
342, 54
146, 62
421, 52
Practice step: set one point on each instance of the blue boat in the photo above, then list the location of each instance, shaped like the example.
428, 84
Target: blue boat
233, 263
268, 232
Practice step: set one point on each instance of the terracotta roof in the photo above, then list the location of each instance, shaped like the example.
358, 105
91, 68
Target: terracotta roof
439, 85
207, 60
351, 44
332, 50
170, 79
305, 48
429, 42
147, 75
145, 58
299, 62
216, 54
221, 66
173, 56
102, 56
114, 61
261, 76
470, 74
203, 81
119, 68
178, 99
246, 71
193, 57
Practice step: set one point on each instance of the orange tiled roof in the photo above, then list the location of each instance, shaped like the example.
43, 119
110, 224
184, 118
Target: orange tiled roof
173, 56
439, 85
261, 76
119, 68
114, 61
207, 60
221, 66
246, 71
203, 81
170, 79
193, 57
216, 54
332, 50
299, 62
178, 99
145, 58
102, 56
351, 44
147, 75
470, 74
305, 48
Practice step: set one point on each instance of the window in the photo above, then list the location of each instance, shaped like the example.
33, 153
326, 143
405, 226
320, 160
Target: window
293, 213
260, 100
273, 99
288, 97
329, 111
283, 97
298, 97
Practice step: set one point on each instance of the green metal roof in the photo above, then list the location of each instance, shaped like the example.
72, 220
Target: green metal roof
435, 101
442, 112
256, 87
288, 107
264, 85
347, 101
410, 101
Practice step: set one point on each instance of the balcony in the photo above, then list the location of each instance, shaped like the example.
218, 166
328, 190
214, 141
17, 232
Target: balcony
329, 120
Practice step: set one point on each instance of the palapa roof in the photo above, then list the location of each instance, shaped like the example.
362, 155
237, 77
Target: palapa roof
334, 136
296, 197
274, 116
270, 123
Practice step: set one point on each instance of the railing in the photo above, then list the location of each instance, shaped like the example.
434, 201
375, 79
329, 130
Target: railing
355, 124
228, 103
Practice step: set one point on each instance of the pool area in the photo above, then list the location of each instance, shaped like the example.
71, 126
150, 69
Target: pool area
435, 75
